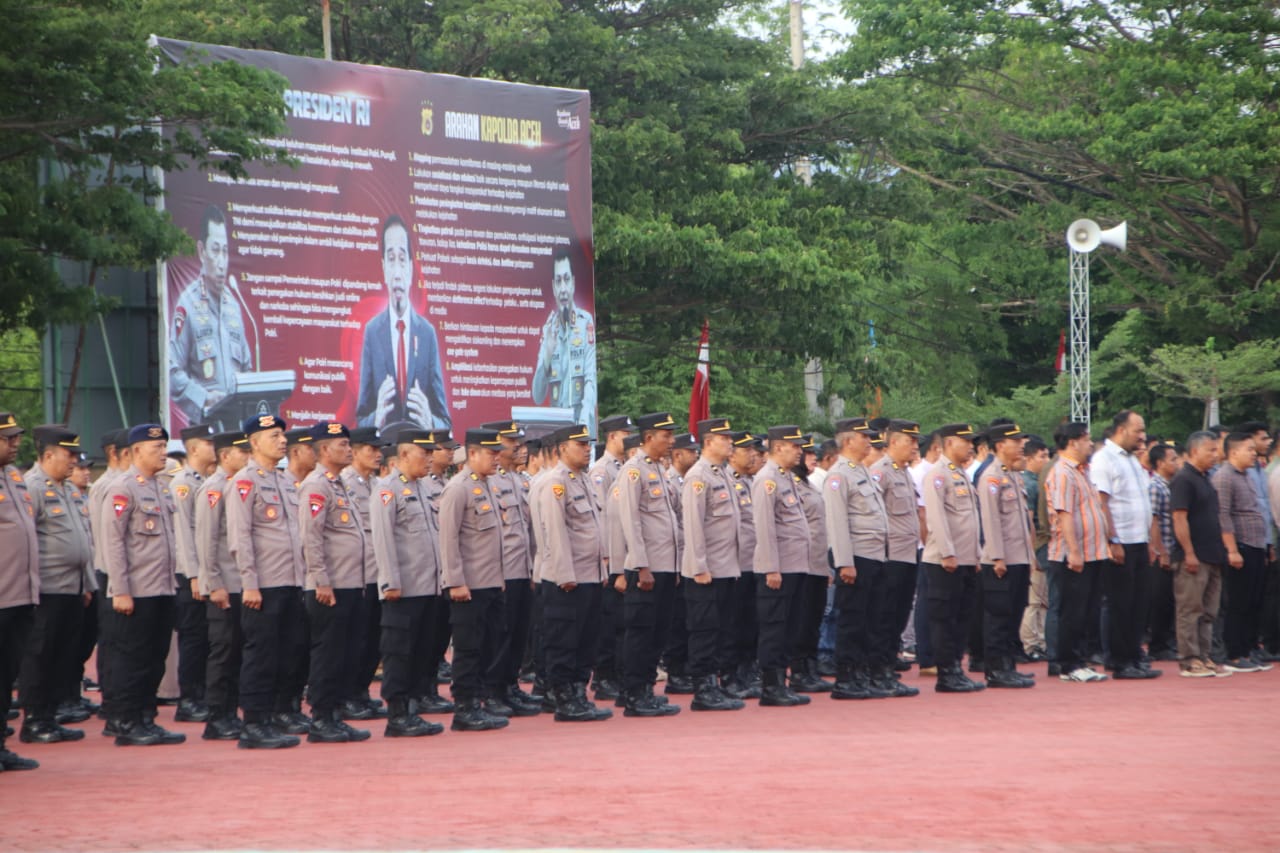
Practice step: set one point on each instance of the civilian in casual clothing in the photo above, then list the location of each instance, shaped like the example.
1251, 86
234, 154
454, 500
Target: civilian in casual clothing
1244, 535
1164, 461
1198, 556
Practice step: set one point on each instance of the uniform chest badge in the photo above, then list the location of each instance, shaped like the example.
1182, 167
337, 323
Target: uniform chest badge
477, 491
656, 491
722, 496
50, 494
206, 367
407, 491
272, 512
483, 508
149, 524
243, 488
344, 518
962, 492
653, 475
994, 489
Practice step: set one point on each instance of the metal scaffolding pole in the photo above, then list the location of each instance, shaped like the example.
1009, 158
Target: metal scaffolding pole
1079, 336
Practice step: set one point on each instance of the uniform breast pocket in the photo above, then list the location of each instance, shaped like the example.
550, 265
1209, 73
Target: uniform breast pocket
1008, 501
721, 507
147, 521
484, 518
902, 501
269, 506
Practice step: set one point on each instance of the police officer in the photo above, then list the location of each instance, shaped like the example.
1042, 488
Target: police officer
427, 693
333, 549
19, 577
709, 566
66, 586
858, 530
675, 656
263, 535
511, 490
951, 555
803, 647
891, 473
568, 530
193, 630
607, 678
119, 458
207, 344
1007, 552
138, 544
358, 477
744, 682
472, 572
781, 561
566, 368
404, 544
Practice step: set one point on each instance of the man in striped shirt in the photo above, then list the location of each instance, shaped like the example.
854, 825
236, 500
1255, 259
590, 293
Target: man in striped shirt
1077, 546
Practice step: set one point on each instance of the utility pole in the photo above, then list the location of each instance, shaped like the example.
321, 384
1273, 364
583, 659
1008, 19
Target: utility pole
326, 29
813, 383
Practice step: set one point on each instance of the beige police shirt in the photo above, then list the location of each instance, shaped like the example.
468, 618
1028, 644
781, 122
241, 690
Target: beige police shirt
569, 528
183, 488
901, 508
646, 510
782, 531
20, 567
510, 490
951, 514
404, 539
361, 490
742, 484
1003, 504
711, 519
138, 538
215, 566
62, 530
815, 513
332, 532
857, 525
262, 528
470, 534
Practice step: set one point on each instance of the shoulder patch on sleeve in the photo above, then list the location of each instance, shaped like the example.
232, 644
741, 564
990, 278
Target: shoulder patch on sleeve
386, 496
834, 483
770, 487
558, 490
633, 474
698, 486
214, 496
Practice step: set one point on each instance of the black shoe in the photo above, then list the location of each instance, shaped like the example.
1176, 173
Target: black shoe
291, 722
356, 710
89, 705
739, 689
131, 733
71, 712
678, 685
521, 703
167, 738
411, 725
1135, 673
827, 666
804, 682
326, 729
444, 673
1055, 669
354, 735
880, 684
223, 728
111, 728
191, 711
498, 708
573, 706
775, 693
642, 703
470, 717
849, 686
900, 665
887, 681
435, 704
952, 680
1007, 678
46, 732
709, 697
10, 761
264, 736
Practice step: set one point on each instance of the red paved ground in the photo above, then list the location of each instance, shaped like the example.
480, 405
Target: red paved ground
1171, 765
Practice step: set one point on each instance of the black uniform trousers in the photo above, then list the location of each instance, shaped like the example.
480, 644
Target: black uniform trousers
52, 656
675, 657
859, 605
517, 611
745, 620
104, 653
1244, 601
406, 645
899, 590
773, 617
1001, 616
88, 641
648, 619
15, 627
571, 623
335, 650
139, 645
1161, 607
439, 632
367, 633
709, 620
1081, 605
535, 654
806, 621
612, 631
226, 648
1125, 585
193, 642
951, 596
476, 627
272, 656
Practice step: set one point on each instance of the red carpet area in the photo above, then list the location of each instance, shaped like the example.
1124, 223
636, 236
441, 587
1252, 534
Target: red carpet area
1169, 765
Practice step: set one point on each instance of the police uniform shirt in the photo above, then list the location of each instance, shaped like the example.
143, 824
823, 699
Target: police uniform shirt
646, 511
1005, 532
215, 566
62, 528
711, 521
470, 534
816, 515
361, 491
138, 538
333, 543
207, 348
570, 528
951, 514
898, 489
404, 539
509, 490
536, 485
262, 528
99, 491
782, 531
184, 487
603, 474
20, 566
571, 378
742, 484
857, 525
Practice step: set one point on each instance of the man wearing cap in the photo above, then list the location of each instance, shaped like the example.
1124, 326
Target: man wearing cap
472, 572
805, 635
404, 545
858, 532
333, 549
511, 492
781, 561
709, 566
951, 555
1007, 553
218, 587
359, 477
119, 458
263, 536
570, 550
675, 657
193, 629
566, 368
616, 430
744, 681
49, 669
19, 577
646, 511
428, 692
138, 543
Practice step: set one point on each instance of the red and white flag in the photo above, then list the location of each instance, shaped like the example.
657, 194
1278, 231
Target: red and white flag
1060, 363
700, 398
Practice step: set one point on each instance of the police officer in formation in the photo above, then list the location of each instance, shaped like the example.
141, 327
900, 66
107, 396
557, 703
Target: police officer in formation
193, 629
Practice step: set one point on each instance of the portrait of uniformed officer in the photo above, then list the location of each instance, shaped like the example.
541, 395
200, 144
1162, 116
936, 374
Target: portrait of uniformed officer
565, 374
207, 343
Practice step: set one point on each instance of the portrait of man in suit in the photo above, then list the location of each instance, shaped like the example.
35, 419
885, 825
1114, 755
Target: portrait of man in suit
400, 372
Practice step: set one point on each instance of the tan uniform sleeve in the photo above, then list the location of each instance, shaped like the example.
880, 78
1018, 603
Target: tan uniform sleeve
382, 518
765, 559
452, 506
628, 508
693, 509
835, 498
989, 513
208, 518
240, 531
558, 564
313, 510
935, 513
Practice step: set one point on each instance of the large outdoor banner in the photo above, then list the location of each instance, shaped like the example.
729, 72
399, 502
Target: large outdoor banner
429, 261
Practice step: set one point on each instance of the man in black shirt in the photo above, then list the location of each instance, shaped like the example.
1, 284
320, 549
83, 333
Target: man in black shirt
1198, 556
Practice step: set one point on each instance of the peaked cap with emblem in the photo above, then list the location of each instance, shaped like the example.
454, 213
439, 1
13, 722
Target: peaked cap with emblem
1003, 432
575, 432
715, 426
327, 430
55, 435
787, 432
616, 423
853, 425
259, 423
481, 437
685, 441
147, 432
9, 425
204, 431
908, 427
297, 435
366, 435
506, 429
656, 420
958, 430
223, 440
